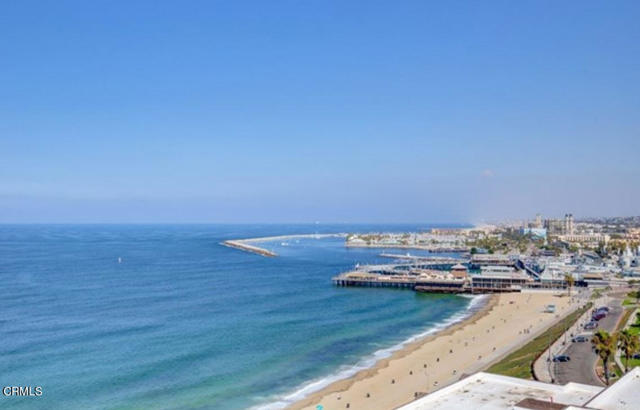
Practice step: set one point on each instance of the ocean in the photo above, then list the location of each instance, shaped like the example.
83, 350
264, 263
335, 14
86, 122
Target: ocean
164, 317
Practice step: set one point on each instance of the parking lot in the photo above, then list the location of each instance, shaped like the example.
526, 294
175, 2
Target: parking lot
581, 367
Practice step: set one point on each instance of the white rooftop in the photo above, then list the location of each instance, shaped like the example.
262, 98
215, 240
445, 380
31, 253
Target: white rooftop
485, 391
623, 394
491, 391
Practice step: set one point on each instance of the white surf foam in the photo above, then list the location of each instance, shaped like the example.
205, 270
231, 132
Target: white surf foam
344, 372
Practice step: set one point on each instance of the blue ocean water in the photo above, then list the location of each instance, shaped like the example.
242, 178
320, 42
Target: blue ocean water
164, 317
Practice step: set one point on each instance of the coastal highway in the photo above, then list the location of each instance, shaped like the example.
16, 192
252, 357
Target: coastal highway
581, 368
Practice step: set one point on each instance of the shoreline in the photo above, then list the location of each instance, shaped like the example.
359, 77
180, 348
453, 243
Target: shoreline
479, 306
245, 244
432, 249
502, 324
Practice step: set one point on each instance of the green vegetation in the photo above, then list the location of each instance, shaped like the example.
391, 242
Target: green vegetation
507, 241
628, 343
570, 281
633, 298
596, 294
605, 346
634, 330
618, 246
617, 370
520, 363
635, 327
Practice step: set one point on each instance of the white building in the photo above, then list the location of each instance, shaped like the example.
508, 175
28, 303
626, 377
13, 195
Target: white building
485, 391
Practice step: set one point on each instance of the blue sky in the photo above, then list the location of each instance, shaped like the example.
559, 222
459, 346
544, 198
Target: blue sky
302, 111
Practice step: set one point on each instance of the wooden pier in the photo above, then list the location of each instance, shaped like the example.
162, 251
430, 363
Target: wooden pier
374, 281
436, 284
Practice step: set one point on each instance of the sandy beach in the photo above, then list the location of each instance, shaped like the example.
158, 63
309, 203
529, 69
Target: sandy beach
503, 324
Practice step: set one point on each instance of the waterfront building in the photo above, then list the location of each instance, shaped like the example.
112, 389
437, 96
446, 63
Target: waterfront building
499, 279
441, 284
479, 260
459, 271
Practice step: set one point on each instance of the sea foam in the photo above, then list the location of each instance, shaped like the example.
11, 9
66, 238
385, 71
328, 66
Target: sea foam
344, 372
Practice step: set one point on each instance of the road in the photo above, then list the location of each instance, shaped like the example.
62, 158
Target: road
581, 368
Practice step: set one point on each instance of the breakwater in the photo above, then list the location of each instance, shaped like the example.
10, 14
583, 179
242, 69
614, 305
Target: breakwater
243, 246
246, 244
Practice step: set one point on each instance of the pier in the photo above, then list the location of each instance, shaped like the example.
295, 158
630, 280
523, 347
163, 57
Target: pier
425, 259
374, 281
450, 286
454, 281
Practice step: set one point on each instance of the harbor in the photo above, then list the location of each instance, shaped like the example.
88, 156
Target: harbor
246, 244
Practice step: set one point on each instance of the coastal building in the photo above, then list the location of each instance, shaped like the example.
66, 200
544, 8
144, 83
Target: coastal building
495, 392
540, 233
448, 231
480, 260
459, 271
538, 223
439, 241
499, 279
626, 259
442, 283
585, 239
565, 226
554, 226
568, 224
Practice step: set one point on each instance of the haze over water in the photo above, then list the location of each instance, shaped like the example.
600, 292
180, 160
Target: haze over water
182, 322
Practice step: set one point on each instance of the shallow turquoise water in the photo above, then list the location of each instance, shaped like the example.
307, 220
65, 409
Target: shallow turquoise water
183, 322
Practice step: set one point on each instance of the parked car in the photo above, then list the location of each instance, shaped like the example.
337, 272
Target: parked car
591, 325
598, 316
636, 356
561, 358
604, 308
580, 339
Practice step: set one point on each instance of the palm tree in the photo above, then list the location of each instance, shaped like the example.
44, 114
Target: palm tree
605, 345
629, 344
569, 279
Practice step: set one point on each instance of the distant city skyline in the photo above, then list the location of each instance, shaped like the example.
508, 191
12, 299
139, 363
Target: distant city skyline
318, 111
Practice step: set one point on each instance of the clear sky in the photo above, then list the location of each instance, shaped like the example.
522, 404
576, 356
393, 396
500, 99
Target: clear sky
330, 111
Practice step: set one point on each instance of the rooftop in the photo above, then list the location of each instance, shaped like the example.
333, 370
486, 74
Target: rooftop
624, 394
487, 391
